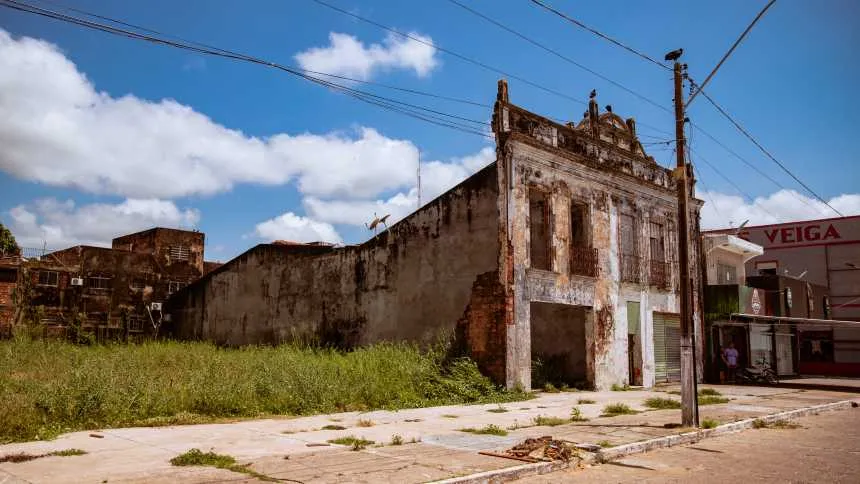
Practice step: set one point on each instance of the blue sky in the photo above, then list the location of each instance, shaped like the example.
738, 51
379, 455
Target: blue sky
309, 163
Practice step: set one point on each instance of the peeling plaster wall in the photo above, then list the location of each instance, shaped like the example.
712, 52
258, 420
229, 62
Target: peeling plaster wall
607, 195
412, 282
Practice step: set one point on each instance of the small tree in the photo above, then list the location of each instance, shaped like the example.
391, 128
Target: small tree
8, 245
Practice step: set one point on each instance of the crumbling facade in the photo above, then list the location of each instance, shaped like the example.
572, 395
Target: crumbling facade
107, 293
559, 257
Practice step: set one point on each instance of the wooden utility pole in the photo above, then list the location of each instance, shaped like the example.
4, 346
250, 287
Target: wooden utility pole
689, 402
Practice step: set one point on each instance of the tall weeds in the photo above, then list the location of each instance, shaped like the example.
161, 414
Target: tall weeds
49, 387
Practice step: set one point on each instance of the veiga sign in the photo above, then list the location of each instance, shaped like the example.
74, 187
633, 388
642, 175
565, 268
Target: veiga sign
796, 234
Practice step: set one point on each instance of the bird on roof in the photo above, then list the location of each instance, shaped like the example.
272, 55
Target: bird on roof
609, 108
674, 55
593, 94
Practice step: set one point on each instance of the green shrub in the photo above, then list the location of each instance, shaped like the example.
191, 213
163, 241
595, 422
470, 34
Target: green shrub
709, 391
51, 387
576, 415
712, 400
540, 420
709, 423
357, 443
195, 457
499, 409
396, 439
605, 443
621, 388
615, 409
488, 430
662, 403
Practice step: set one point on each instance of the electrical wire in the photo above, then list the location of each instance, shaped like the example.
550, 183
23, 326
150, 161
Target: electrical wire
598, 33
732, 49
558, 54
407, 109
700, 90
448, 51
767, 153
335, 76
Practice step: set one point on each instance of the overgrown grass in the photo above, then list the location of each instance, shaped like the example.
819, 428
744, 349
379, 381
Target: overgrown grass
615, 409
51, 387
333, 427
396, 439
621, 388
709, 392
488, 430
662, 403
357, 443
365, 422
585, 401
779, 424
605, 444
196, 457
576, 415
712, 400
541, 420
499, 409
24, 457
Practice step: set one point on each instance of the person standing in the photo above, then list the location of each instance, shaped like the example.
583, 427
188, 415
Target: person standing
730, 358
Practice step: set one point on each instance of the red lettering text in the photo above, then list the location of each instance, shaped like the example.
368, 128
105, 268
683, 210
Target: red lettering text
771, 236
831, 233
813, 232
787, 235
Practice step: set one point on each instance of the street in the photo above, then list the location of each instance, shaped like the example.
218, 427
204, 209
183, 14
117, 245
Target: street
825, 449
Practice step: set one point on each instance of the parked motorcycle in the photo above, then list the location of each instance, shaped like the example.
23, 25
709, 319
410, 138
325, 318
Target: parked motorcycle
757, 374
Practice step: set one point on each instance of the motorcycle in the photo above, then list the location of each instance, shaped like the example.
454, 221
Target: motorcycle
758, 373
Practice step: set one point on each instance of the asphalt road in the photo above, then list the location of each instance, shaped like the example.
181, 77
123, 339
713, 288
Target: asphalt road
825, 449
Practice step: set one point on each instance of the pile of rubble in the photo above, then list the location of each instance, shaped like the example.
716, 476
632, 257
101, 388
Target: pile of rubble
543, 449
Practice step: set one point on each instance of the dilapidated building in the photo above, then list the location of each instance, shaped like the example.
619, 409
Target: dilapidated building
106, 293
557, 262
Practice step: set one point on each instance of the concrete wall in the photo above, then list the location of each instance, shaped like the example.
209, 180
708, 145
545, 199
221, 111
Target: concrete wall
410, 282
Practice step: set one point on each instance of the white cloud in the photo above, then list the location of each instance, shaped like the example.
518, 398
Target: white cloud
437, 177
55, 128
721, 210
348, 56
60, 224
292, 227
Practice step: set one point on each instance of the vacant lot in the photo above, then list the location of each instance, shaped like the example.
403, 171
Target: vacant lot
47, 388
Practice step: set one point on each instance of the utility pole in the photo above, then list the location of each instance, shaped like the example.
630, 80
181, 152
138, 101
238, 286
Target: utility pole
689, 402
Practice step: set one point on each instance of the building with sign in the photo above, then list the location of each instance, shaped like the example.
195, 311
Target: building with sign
808, 271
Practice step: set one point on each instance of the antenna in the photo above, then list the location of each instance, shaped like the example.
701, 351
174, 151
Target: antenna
419, 181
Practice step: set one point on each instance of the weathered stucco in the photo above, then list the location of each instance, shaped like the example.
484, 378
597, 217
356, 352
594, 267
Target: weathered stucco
413, 282
610, 177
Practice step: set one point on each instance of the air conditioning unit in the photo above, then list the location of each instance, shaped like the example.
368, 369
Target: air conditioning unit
156, 306
77, 281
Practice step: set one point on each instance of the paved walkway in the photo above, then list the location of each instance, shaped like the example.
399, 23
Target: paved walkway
295, 448
825, 449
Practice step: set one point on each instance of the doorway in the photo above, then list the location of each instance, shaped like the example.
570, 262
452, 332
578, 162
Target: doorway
558, 345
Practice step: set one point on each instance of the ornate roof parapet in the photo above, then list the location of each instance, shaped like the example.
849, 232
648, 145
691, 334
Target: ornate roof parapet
601, 140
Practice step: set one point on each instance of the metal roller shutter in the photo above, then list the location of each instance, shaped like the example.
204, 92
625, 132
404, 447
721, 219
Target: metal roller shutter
667, 347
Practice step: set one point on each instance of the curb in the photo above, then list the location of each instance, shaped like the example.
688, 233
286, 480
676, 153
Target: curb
697, 435
507, 474
525, 470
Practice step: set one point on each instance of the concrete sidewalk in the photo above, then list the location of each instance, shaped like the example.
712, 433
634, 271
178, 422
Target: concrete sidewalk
296, 448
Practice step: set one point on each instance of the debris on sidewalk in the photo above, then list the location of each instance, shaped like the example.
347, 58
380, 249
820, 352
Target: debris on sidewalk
541, 449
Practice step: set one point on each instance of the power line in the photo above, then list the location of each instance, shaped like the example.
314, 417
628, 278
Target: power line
598, 33
407, 109
699, 90
557, 54
730, 182
308, 71
767, 153
447, 51
732, 49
